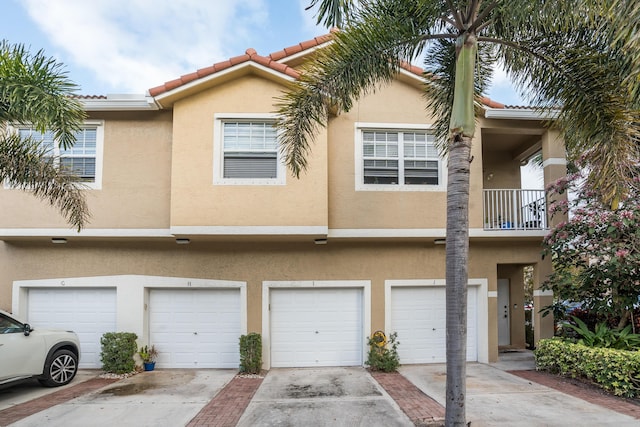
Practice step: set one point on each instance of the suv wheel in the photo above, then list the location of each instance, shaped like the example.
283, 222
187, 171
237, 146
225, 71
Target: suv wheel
60, 369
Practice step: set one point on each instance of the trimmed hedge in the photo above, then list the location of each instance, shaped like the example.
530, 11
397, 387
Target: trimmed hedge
117, 353
251, 353
617, 371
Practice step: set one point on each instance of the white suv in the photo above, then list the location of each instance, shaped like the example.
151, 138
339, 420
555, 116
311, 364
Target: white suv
51, 356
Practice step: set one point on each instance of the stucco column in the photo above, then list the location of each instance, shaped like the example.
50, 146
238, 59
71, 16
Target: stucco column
554, 167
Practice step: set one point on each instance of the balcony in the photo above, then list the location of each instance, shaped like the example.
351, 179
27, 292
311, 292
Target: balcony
513, 209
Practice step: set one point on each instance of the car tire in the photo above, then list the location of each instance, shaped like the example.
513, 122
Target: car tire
60, 369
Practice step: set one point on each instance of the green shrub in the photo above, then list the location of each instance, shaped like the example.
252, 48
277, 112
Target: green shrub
117, 352
617, 371
383, 356
605, 337
251, 353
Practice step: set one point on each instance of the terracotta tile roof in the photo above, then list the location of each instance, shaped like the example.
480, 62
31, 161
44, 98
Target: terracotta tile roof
272, 61
491, 103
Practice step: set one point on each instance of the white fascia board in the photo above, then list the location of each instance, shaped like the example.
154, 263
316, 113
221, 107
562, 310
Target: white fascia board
303, 53
520, 114
479, 232
311, 230
220, 74
87, 232
414, 76
118, 102
436, 233
345, 233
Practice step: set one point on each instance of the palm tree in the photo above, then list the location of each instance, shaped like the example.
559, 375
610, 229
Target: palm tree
35, 91
564, 53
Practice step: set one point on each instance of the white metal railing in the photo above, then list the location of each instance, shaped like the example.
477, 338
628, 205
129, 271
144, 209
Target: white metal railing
514, 209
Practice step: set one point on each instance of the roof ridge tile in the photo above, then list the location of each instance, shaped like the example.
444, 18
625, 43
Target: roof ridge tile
272, 61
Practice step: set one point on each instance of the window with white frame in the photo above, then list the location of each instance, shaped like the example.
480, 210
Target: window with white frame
83, 158
248, 152
398, 158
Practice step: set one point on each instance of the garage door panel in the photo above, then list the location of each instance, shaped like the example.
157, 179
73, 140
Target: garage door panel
316, 327
195, 328
418, 314
90, 312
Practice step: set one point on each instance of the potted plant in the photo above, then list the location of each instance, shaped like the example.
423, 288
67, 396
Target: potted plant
148, 356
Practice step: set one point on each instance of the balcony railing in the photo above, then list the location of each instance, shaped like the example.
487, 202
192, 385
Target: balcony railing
514, 210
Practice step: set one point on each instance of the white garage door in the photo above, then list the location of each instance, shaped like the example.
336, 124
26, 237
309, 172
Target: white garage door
316, 327
195, 328
418, 315
88, 312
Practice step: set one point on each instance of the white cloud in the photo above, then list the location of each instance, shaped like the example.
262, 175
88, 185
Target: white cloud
132, 45
309, 18
502, 89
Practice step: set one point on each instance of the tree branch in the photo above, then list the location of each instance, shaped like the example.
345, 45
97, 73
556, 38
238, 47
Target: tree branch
456, 15
478, 23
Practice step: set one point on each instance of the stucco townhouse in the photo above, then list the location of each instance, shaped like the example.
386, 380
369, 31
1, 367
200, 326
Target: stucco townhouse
199, 233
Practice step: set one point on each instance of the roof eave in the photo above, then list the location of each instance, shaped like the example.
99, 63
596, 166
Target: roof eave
520, 113
166, 99
120, 102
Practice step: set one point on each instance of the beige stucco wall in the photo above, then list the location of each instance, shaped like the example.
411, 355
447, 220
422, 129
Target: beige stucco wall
135, 180
196, 201
501, 170
398, 103
253, 263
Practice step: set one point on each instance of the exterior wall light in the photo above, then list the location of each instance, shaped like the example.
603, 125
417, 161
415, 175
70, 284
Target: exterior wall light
183, 241
440, 241
320, 241
58, 240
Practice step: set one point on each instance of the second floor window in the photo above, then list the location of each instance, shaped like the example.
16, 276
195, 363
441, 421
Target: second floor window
80, 158
246, 150
400, 158
250, 150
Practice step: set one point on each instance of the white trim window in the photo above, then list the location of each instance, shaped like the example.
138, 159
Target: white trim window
83, 158
398, 158
248, 151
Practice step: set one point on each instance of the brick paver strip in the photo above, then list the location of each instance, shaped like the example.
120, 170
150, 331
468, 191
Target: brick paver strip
596, 397
23, 410
226, 408
419, 407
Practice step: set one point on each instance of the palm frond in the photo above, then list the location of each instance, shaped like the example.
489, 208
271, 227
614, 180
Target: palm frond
439, 66
35, 89
370, 52
28, 166
624, 16
333, 13
582, 73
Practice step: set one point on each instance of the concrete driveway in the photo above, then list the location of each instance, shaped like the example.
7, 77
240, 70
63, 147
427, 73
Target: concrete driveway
497, 398
347, 396
31, 389
159, 398
322, 397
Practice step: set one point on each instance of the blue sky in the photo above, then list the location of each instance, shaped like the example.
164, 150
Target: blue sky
129, 46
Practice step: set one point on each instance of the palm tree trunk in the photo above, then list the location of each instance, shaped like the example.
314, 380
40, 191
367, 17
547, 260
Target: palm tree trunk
457, 278
462, 129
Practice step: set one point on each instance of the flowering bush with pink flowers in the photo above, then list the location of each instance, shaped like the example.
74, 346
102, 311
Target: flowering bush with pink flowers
596, 252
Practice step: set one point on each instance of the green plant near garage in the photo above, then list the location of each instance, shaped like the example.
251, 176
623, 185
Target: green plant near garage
117, 350
617, 371
383, 354
251, 353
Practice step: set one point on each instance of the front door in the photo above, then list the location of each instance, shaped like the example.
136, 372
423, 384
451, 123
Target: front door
504, 325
